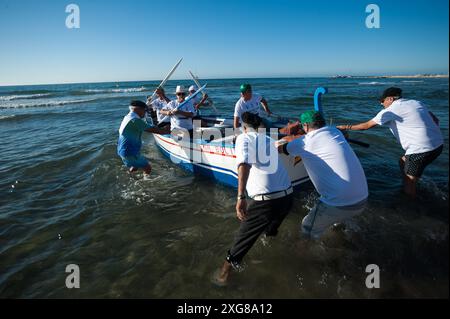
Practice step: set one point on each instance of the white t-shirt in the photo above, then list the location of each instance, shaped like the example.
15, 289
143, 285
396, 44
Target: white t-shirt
252, 106
180, 121
267, 173
158, 105
412, 125
332, 166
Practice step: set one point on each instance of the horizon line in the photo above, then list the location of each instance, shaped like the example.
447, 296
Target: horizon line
431, 75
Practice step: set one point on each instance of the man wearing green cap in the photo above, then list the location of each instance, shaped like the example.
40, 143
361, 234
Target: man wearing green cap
249, 102
334, 170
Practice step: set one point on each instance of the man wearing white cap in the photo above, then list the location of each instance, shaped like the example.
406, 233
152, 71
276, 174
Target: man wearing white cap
180, 116
197, 101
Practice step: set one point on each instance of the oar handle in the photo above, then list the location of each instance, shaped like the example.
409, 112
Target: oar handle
363, 144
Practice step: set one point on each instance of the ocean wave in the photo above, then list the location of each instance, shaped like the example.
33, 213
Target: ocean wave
23, 97
6, 117
411, 81
374, 83
123, 90
44, 104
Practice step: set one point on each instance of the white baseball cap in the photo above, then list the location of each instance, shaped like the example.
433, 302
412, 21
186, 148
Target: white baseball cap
180, 89
192, 88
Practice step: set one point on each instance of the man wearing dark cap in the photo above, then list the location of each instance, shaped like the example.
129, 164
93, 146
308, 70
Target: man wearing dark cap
416, 129
249, 102
130, 132
334, 170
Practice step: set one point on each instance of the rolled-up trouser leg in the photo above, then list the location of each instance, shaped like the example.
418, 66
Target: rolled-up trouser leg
322, 216
261, 216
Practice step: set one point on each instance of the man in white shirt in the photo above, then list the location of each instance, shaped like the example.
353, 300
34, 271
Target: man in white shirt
159, 104
334, 170
180, 113
268, 186
249, 102
416, 129
197, 100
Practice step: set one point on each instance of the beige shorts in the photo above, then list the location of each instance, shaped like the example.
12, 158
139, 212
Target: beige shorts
322, 216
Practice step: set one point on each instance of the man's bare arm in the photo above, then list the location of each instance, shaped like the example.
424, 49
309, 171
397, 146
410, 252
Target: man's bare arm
357, 127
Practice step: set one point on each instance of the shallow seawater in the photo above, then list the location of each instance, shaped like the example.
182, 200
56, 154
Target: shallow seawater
65, 198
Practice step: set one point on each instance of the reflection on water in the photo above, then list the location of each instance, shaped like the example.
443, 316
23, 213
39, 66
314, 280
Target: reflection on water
65, 198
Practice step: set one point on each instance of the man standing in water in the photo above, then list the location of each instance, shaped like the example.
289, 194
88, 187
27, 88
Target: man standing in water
334, 170
264, 192
130, 132
415, 127
249, 102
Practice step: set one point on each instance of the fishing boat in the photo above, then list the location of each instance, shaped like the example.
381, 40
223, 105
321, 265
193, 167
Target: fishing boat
216, 158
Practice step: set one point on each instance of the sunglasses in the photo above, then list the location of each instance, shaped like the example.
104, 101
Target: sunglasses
180, 94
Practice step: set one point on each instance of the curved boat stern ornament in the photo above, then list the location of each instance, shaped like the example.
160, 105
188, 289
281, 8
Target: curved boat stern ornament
317, 98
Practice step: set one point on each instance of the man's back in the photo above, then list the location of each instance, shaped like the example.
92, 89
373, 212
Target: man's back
332, 165
411, 123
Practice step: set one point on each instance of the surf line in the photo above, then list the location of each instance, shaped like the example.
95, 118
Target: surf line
188, 309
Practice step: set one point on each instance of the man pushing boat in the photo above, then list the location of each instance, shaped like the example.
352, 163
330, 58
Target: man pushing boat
334, 170
416, 129
264, 192
130, 133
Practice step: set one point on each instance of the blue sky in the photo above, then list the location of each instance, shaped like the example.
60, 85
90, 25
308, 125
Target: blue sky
141, 40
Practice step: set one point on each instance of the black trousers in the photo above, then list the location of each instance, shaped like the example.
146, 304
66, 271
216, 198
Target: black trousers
262, 217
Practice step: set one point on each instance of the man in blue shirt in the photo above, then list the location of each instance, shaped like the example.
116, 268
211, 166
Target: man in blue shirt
130, 133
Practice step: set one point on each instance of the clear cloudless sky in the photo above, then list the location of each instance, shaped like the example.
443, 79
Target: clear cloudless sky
141, 40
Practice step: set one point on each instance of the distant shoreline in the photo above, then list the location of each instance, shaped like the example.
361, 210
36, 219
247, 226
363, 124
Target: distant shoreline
417, 76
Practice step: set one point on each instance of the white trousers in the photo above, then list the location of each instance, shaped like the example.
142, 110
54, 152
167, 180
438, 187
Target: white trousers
322, 216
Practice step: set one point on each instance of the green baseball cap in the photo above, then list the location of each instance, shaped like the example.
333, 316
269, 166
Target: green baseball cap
245, 87
310, 117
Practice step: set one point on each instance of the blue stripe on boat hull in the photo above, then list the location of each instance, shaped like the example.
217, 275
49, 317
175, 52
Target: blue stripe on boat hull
222, 178
211, 171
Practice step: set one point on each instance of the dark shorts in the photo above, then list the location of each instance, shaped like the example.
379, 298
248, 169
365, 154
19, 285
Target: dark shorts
416, 163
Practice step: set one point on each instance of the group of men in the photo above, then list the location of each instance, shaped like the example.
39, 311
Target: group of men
170, 116
265, 198
265, 194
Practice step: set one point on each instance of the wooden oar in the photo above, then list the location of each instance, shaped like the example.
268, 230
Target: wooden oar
203, 93
186, 100
363, 144
166, 78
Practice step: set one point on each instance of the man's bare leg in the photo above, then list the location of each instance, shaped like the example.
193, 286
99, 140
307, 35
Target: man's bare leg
401, 163
147, 169
410, 185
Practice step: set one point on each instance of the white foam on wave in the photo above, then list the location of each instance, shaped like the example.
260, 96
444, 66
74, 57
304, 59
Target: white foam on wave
374, 83
128, 90
22, 97
43, 103
5, 117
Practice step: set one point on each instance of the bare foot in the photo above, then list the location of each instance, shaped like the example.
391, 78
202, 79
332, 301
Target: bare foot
220, 277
